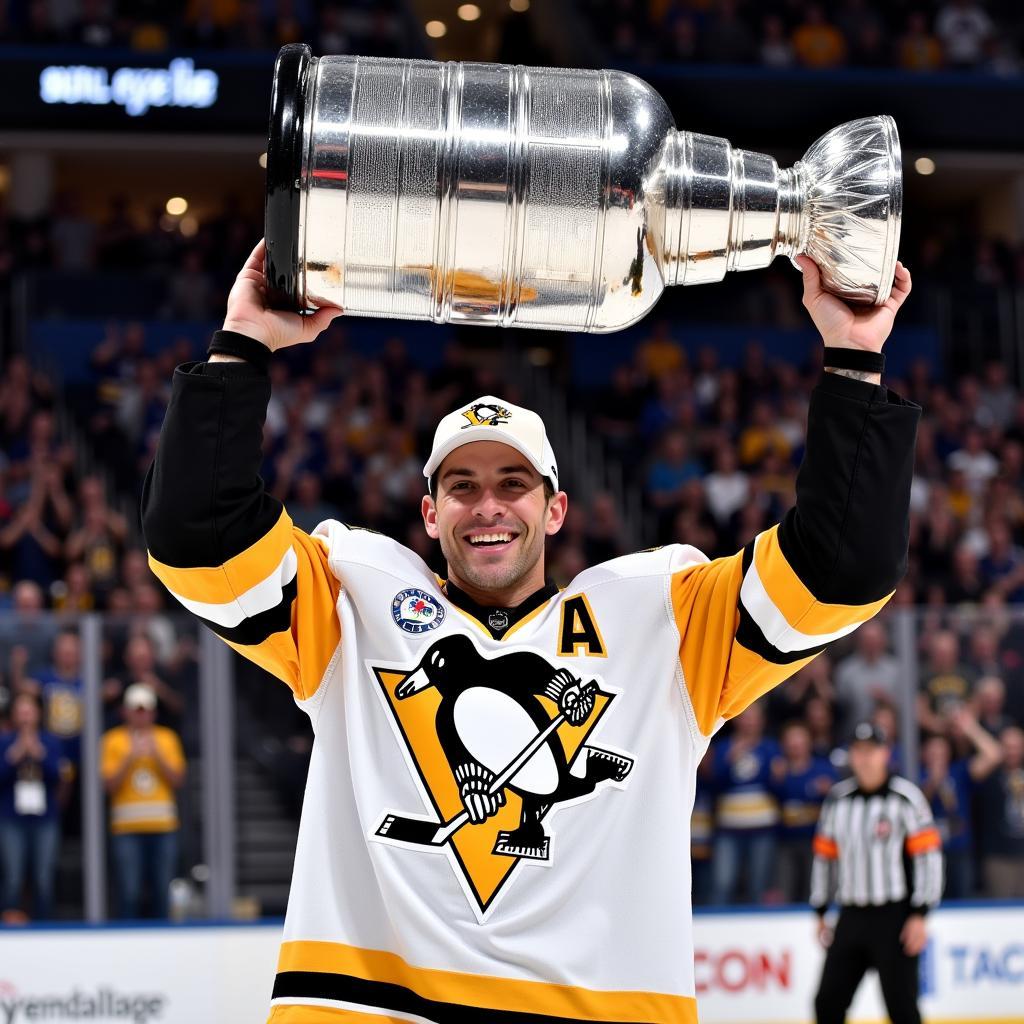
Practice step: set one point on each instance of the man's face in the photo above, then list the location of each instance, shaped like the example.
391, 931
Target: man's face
750, 724
138, 656
868, 761
25, 713
872, 639
796, 743
944, 652
65, 653
490, 514
1013, 747
139, 717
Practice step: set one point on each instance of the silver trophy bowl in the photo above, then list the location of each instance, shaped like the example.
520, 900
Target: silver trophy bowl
544, 197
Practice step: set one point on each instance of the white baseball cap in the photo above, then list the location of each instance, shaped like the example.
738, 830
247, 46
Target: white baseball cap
140, 695
490, 419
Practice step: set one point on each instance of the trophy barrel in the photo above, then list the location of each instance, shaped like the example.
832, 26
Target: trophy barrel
478, 193
543, 197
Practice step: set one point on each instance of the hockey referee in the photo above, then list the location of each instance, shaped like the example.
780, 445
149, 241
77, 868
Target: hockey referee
878, 851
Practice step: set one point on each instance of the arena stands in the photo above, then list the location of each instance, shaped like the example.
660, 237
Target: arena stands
382, 28
920, 37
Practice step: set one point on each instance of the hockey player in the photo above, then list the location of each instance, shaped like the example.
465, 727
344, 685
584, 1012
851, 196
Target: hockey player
496, 819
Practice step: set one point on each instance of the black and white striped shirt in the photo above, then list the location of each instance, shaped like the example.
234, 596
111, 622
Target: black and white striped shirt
876, 848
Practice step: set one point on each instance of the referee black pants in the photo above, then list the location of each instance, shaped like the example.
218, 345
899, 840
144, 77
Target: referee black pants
867, 937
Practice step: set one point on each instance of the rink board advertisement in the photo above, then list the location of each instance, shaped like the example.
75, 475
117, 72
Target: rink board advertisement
751, 968
765, 967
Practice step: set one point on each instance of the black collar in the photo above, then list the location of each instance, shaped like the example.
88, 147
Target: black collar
498, 620
883, 790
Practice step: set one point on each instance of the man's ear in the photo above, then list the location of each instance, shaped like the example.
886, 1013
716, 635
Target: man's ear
428, 509
557, 505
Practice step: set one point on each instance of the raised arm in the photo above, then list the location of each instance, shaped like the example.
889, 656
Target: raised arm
223, 547
988, 754
750, 620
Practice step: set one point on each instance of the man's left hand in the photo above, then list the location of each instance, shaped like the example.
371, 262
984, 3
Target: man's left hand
914, 935
844, 326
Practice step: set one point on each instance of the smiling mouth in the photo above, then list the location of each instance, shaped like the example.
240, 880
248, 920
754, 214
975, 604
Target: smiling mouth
493, 540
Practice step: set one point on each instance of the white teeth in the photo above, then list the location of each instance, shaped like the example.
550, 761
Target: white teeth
490, 538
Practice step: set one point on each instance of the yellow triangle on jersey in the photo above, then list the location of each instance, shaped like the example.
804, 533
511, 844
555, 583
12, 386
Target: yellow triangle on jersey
473, 844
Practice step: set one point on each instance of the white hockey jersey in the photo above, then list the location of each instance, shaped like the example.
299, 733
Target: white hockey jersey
581, 730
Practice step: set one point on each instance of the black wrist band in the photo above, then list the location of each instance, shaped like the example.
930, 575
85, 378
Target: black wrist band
231, 343
854, 359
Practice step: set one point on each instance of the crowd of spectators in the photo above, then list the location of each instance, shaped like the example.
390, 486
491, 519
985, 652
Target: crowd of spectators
64, 549
192, 260
142, 764
149, 26
762, 784
725, 443
917, 36
715, 450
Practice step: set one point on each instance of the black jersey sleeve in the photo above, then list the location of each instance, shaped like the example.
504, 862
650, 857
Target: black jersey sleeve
223, 547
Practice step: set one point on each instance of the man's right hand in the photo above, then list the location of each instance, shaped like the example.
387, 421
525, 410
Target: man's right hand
248, 313
825, 933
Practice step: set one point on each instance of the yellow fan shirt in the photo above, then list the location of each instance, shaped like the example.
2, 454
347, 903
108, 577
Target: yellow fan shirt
144, 802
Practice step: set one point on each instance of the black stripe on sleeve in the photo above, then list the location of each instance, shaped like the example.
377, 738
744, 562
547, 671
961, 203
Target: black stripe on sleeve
749, 634
256, 629
397, 998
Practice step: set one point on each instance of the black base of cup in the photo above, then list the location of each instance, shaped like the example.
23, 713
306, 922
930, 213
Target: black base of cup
284, 173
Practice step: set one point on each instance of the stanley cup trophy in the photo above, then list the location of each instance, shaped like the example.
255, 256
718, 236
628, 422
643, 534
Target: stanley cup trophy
544, 197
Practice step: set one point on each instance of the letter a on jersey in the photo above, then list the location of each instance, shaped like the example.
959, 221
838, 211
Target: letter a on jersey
496, 744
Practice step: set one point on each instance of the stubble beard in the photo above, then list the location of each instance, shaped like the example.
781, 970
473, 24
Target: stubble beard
496, 577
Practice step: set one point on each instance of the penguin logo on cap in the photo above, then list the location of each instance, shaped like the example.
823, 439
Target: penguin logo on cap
481, 415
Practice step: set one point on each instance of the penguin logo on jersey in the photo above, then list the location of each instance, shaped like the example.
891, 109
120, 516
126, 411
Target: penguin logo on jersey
481, 415
497, 744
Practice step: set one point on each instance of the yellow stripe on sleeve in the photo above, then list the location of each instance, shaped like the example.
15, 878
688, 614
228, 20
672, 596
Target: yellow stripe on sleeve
723, 675
750, 677
223, 583
704, 600
300, 657
797, 604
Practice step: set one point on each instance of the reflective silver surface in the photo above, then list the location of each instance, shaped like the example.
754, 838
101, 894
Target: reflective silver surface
540, 197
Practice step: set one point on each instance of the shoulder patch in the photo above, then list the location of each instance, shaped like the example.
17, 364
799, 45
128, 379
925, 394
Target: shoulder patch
416, 611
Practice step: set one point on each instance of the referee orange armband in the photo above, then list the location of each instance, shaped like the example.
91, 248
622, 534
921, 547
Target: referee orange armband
825, 847
924, 841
